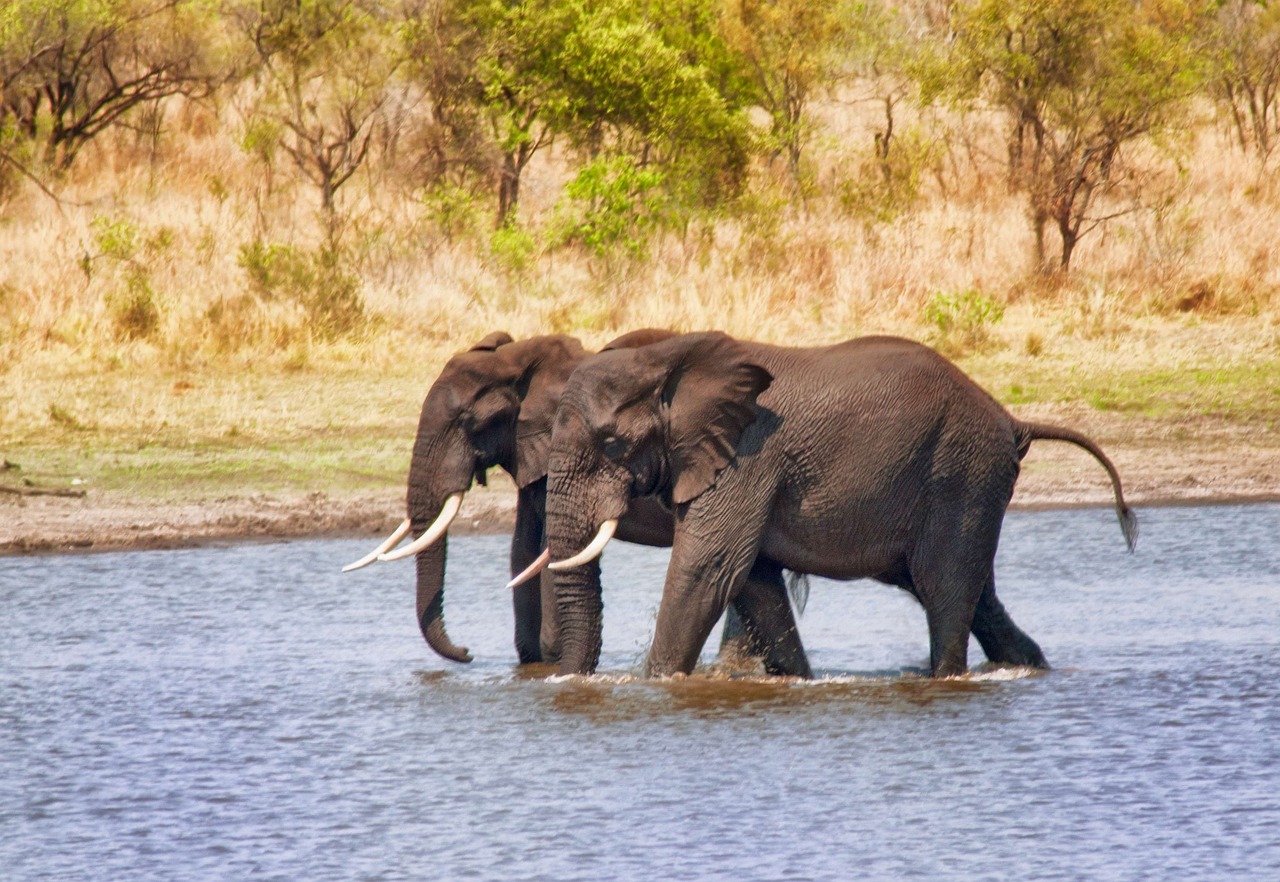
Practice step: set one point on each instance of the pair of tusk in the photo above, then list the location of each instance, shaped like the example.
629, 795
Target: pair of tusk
389, 543
430, 536
585, 556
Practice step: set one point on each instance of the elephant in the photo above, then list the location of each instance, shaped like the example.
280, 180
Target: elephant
873, 458
493, 405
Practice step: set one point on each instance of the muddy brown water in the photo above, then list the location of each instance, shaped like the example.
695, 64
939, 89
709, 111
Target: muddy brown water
249, 712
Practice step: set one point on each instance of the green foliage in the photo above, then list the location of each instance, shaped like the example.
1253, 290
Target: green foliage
316, 281
116, 238
1077, 81
629, 91
513, 248
612, 206
962, 320
452, 210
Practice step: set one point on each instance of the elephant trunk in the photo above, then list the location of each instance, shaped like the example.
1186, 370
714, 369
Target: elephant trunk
430, 579
580, 608
434, 477
579, 604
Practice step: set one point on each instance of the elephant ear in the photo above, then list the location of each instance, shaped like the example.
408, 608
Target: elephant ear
636, 339
709, 396
492, 342
545, 366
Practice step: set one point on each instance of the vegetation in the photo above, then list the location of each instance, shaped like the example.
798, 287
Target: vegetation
218, 216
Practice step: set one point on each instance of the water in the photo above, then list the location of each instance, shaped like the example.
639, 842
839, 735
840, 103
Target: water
250, 713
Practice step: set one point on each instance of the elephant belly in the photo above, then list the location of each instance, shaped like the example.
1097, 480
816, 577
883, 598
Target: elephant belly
851, 542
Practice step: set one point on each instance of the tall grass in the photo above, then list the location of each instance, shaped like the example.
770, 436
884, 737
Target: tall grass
199, 257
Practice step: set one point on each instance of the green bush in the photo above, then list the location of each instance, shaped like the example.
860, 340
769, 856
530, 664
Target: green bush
612, 207
316, 281
962, 320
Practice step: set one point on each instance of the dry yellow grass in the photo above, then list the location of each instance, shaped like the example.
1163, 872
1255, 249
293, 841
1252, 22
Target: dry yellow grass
128, 320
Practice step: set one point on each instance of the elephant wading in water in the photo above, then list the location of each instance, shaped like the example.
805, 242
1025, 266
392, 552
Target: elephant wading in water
872, 458
493, 405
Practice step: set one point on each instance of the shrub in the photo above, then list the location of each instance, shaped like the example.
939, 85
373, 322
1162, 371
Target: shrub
962, 320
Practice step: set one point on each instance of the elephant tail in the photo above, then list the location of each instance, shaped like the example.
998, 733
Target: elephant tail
1045, 432
798, 590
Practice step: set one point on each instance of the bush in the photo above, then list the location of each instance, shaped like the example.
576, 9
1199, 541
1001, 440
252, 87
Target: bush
962, 320
316, 281
612, 207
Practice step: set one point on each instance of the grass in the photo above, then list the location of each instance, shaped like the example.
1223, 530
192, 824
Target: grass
173, 329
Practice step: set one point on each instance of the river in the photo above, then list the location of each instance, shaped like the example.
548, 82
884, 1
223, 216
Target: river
248, 712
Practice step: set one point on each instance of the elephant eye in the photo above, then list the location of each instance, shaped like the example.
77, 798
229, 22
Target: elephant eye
614, 447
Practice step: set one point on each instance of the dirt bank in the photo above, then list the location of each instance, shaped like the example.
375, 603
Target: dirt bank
1203, 461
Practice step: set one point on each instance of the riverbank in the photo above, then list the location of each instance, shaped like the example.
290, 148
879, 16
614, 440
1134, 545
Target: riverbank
1201, 460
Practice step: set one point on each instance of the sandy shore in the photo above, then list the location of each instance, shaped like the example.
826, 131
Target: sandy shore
1161, 464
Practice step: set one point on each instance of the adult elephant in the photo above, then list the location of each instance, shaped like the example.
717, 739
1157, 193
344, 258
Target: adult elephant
872, 458
493, 405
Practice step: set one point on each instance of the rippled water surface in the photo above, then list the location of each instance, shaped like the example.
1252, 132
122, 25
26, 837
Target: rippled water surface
250, 713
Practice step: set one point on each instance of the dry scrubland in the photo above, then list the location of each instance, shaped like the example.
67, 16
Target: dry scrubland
148, 351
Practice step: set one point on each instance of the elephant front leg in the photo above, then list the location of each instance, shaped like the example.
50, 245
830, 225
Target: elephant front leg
527, 599
706, 570
761, 624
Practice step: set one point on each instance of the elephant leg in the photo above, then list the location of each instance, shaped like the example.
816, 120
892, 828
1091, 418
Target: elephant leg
1002, 640
760, 623
948, 582
709, 564
526, 599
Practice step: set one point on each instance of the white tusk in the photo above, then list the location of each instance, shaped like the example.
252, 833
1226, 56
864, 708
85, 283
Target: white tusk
592, 551
438, 528
532, 569
388, 544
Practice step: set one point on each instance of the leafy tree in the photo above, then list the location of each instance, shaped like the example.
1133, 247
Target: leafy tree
1246, 78
325, 67
789, 48
502, 59
72, 69
630, 93
1078, 81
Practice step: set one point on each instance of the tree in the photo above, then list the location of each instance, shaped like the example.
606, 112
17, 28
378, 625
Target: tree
1078, 81
72, 69
1246, 77
788, 46
324, 67
628, 92
501, 59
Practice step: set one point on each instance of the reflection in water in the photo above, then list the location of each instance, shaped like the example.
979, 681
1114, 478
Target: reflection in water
249, 712
606, 699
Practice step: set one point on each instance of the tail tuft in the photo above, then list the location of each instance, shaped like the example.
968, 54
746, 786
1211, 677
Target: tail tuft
798, 589
1128, 526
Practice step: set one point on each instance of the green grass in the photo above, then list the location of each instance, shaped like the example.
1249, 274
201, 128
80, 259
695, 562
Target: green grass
345, 426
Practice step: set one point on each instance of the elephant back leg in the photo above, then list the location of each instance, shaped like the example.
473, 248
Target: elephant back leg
1002, 640
950, 569
760, 624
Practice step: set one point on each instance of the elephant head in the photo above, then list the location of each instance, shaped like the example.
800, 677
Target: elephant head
662, 420
491, 406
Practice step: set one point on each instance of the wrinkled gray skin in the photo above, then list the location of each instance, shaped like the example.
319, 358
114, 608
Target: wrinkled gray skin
872, 458
493, 405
